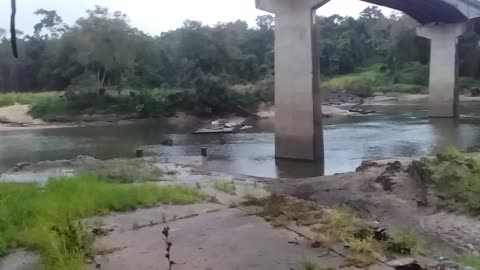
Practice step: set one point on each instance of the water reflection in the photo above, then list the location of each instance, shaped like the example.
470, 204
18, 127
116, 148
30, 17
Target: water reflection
285, 167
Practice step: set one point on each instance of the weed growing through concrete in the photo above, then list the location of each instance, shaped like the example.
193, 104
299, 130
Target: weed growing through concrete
310, 265
168, 247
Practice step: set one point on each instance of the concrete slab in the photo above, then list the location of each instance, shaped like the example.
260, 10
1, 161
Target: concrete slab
227, 239
20, 260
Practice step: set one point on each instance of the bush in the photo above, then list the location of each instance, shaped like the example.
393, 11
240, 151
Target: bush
146, 104
413, 73
377, 79
48, 106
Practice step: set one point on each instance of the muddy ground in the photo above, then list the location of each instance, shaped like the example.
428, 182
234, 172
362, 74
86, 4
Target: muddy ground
222, 234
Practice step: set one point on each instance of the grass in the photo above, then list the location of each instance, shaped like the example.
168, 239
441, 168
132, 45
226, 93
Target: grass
9, 99
339, 224
471, 261
456, 176
362, 250
226, 187
310, 265
404, 242
46, 219
122, 171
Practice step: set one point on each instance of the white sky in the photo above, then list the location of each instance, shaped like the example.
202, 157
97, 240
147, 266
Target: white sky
156, 16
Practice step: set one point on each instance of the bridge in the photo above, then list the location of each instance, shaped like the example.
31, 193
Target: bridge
298, 118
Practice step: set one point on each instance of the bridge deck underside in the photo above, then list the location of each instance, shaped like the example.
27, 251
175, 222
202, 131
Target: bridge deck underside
424, 11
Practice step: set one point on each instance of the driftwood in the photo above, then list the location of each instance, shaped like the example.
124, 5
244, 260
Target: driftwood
355, 108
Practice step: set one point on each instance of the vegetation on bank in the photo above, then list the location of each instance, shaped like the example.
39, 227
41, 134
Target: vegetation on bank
456, 176
210, 95
377, 78
47, 219
9, 99
218, 67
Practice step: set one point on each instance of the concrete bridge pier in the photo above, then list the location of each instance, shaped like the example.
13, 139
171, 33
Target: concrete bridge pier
298, 114
443, 95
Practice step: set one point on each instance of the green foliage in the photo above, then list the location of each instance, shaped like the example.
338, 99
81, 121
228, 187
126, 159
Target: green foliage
468, 83
456, 176
413, 73
9, 99
404, 242
471, 261
145, 104
376, 78
310, 265
362, 250
361, 82
103, 51
224, 186
363, 245
45, 218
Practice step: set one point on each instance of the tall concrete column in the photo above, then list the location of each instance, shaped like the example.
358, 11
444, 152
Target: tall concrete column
298, 115
443, 96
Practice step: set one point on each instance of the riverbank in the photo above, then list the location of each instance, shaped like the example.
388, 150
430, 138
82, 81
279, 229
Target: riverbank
382, 189
16, 117
379, 193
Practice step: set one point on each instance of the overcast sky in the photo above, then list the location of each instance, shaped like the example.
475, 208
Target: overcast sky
156, 16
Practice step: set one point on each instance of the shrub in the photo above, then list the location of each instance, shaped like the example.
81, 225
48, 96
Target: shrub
413, 73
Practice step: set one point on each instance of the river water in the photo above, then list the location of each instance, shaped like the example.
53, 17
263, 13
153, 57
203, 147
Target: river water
401, 129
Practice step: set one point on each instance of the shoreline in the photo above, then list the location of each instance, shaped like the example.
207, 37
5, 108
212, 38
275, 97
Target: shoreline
16, 117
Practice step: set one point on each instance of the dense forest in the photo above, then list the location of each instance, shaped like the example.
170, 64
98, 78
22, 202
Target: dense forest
102, 53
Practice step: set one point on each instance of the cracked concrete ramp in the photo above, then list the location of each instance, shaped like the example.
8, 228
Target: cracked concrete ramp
227, 239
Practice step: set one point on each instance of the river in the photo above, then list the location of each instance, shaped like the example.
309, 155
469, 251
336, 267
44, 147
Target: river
401, 129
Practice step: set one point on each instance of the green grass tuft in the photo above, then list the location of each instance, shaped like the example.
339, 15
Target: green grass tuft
310, 265
404, 242
45, 219
471, 261
224, 186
